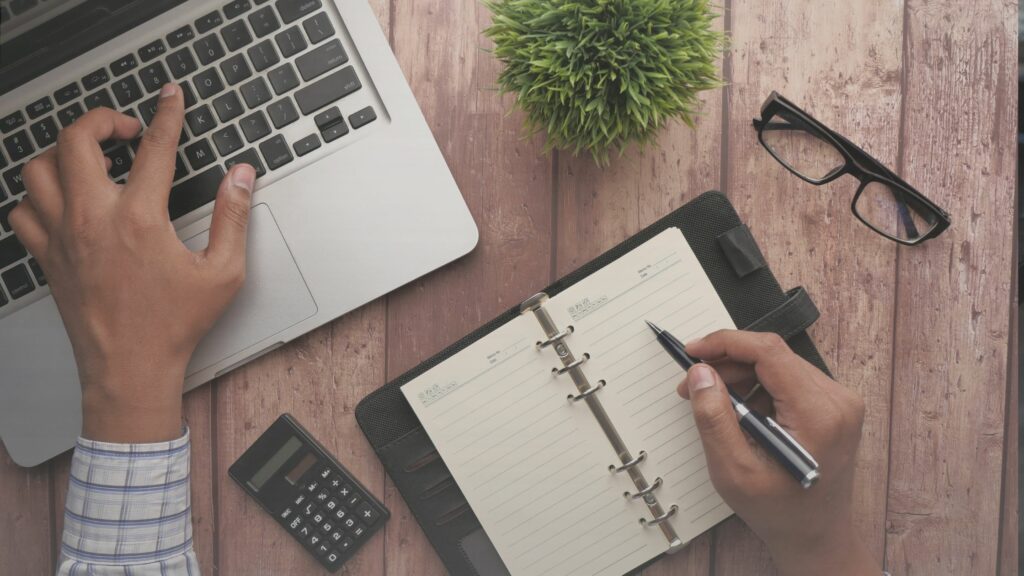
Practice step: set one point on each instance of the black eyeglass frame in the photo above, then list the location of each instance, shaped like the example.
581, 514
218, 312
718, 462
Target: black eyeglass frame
859, 164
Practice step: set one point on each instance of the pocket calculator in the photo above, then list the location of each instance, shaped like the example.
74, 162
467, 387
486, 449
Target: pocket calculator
309, 493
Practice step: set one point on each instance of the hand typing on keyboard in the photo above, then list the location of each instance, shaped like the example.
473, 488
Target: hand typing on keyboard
135, 301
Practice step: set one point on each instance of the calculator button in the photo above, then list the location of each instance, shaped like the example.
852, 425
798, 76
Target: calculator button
309, 510
366, 513
340, 513
332, 559
312, 486
337, 536
323, 496
295, 524
359, 530
322, 549
326, 527
331, 505
350, 523
299, 500
287, 512
344, 491
325, 473
319, 518
346, 544
314, 539
305, 530
335, 482
354, 500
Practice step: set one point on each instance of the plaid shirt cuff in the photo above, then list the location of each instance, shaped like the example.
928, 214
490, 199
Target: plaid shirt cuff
129, 504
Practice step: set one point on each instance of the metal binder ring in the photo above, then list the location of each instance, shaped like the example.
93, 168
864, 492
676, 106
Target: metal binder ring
655, 521
571, 365
645, 491
587, 392
626, 466
545, 343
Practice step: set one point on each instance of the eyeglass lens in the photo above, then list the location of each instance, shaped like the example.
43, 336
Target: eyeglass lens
894, 212
801, 147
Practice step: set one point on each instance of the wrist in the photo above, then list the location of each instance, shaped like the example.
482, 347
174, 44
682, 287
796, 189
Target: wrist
133, 406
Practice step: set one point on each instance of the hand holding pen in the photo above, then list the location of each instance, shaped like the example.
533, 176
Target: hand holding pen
807, 531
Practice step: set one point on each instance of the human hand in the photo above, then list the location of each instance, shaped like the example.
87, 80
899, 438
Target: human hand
135, 301
809, 532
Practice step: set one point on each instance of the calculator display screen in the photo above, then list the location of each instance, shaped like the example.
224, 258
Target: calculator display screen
275, 463
301, 468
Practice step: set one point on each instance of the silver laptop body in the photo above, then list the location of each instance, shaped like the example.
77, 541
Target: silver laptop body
331, 230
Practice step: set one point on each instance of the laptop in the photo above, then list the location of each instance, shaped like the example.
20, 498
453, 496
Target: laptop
353, 198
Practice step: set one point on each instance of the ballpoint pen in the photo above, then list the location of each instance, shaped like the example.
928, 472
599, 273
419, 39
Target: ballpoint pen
772, 437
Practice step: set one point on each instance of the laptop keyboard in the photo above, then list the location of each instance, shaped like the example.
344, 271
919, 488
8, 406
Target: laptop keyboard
247, 70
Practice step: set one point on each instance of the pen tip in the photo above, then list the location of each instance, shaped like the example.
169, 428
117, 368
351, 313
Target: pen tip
653, 326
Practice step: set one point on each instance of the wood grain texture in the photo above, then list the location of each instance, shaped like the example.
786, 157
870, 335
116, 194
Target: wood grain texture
952, 315
507, 184
841, 62
1009, 536
25, 518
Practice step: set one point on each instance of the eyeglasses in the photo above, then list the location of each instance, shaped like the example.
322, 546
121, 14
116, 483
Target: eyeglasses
817, 154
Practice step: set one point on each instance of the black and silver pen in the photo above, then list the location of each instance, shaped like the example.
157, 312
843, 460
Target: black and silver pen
772, 437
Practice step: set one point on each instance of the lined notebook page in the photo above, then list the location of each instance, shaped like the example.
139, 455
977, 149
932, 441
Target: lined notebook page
532, 466
668, 287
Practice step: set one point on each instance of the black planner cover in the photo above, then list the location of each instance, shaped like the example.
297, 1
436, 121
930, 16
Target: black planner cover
731, 259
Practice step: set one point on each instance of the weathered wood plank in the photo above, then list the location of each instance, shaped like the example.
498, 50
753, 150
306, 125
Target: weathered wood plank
1009, 563
841, 61
507, 184
951, 331
25, 513
598, 208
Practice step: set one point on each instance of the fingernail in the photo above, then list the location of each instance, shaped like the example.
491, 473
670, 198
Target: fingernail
168, 90
694, 341
243, 176
699, 378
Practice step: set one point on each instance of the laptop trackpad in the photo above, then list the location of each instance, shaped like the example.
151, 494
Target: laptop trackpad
274, 296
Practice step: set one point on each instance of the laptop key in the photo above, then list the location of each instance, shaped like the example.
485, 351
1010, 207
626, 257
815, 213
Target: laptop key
12, 121
99, 99
152, 50
325, 58
249, 157
228, 140
201, 120
45, 132
291, 42
95, 79
263, 55
42, 106
68, 115
197, 191
120, 162
180, 36
200, 155
228, 107
254, 126
208, 83
18, 146
67, 93
255, 93
180, 169
328, 89
236, 35
208, 49
18, 282
327, 117
190, 96
318, 28
306, 145
276, 152
208, 22
237, 8
283, 78
127, 91
181, 63
292, 10
5, 214
123, 64
11, 251
13, 181
37, 271
334, 131
282, 112
154, 77
235, 69
264, 21
147, 110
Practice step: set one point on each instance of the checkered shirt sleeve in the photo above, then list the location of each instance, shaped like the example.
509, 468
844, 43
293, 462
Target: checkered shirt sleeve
128, 510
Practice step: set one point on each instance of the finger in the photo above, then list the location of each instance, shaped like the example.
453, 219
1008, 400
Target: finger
783, 374
231, 218
81, 161
729, 455
153, 170
738, 375
42, 185
27, 227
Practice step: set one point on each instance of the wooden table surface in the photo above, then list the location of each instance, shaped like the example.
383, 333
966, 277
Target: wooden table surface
926, 334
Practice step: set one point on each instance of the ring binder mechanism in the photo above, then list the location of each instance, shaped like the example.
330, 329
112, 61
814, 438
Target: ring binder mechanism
587, 393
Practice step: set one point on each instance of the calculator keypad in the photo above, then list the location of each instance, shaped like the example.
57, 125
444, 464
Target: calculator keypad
330, 515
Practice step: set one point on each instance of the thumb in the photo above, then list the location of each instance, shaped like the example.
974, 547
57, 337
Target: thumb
231, 216
725, 446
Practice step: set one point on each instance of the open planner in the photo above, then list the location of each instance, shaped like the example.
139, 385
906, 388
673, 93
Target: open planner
563, 429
